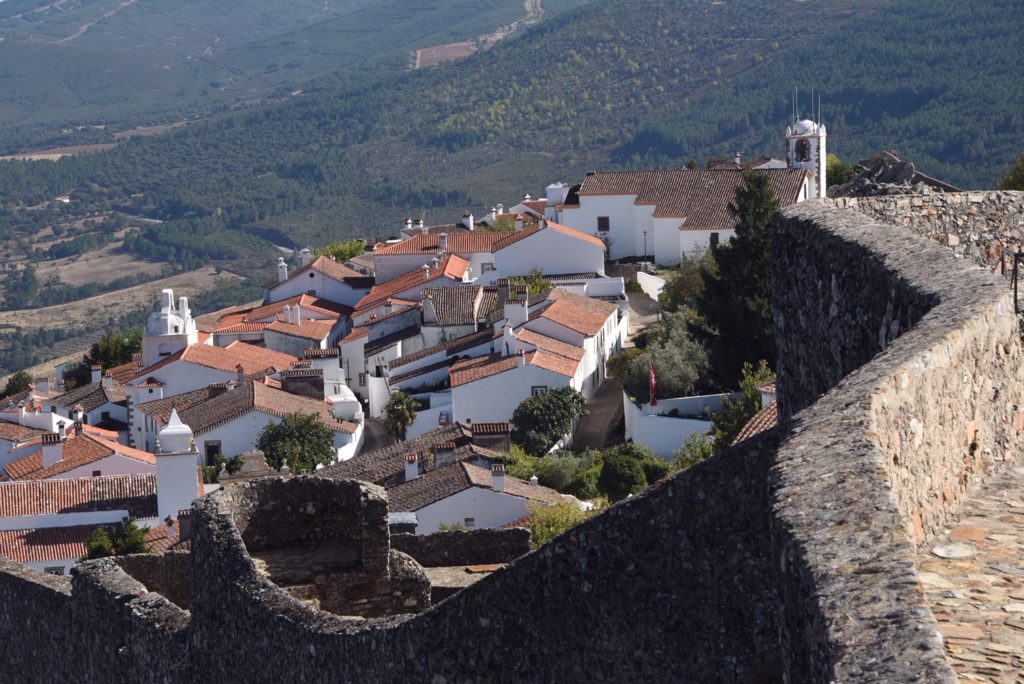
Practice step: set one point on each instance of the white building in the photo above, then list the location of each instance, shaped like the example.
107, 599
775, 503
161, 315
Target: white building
169, 330
322, 277
78, 454
805, 142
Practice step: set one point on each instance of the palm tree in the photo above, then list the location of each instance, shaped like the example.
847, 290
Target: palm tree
400, 413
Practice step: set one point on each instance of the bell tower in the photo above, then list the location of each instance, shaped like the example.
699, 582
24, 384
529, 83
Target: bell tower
805, 141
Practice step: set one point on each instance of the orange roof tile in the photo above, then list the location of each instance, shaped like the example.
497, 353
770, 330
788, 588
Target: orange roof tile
65, 543
78, 451
251, 358
133, 493
452, 267
308, 303
308, 330
467, 242
762, 421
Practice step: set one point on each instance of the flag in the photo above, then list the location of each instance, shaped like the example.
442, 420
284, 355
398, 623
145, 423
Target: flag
654, 400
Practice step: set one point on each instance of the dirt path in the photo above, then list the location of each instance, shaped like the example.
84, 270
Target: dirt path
85, 27
449, 52
604, 425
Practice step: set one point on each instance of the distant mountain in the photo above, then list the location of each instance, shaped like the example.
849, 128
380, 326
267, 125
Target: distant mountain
614, 83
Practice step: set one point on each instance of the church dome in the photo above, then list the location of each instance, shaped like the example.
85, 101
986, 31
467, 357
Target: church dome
805, 127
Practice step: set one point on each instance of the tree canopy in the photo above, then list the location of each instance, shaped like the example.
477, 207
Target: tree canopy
302, 438
19, 382
342, 250
116, 540
735, 413
543, 419
399, 413
1013, 179
680, 362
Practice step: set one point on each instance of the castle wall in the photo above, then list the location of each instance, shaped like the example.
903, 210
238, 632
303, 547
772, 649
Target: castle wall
471, 547
975, 225
910, 419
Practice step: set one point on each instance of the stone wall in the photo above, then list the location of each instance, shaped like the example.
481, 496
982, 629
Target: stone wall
909, 420
976, 225
169, 575
472, 547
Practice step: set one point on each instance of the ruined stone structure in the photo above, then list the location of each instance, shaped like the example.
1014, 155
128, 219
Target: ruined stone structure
785, 558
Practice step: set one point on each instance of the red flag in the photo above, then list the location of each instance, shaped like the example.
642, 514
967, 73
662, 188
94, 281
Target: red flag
654, 399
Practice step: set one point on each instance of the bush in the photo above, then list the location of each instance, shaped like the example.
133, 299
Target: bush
621, 475
540, 421
695, 448
547, 522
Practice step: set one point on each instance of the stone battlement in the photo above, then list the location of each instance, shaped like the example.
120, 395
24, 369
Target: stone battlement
783, 558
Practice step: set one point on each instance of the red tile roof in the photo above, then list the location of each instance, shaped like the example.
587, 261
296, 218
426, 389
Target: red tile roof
490, 428
470, 370
13, 432
762, 421
452, 267
468, 242
242, 328
66, 543
133, 493
582, 314
701, 196
251, 357
308, 303
78, 451
317, 330
330, 268
446, 481
380, 465
456, 305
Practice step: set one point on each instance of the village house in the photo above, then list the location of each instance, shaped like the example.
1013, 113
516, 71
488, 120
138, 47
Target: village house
322, 277
103, 402
279, 325
16, 440
74, 454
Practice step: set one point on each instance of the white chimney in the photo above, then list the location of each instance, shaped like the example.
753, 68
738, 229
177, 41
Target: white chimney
422, 226
442, 243
97, 374
426, 271
287, 313
297, 314
522, 358
305, 256
519, 222
183, 307
494, 213
412, 467
53, 449
169, 522
76, 413
467, 220
177, 484
108, 381
526, 197
738, 158
501, 209
498, 477
282, 270
62, 430
408, 224
534, 481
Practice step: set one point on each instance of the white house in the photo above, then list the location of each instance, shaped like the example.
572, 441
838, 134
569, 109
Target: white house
250, 325
668, 213
15, 440
322, 277
467, 495
103, 403
78, 454
449, 270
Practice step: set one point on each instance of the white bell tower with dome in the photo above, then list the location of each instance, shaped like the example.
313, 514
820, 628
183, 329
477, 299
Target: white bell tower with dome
805, 141
168, 330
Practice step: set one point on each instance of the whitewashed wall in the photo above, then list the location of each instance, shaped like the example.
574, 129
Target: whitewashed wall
325, 287
111, 465
650, 284
660, 434
551, 252
487, 507
495, 398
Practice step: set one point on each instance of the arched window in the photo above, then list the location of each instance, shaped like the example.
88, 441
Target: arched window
803, 150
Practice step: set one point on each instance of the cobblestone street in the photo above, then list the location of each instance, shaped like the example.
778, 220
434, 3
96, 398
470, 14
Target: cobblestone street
973, 578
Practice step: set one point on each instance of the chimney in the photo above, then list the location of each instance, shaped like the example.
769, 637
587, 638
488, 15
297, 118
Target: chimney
185, 525
78, 430
287, 313
501, 209
522, 358
169, 522
519, 222
542, 223
305, 256
297, 314
422, 226
53, 449
738, 158
282, 270
494, 213
176, 473
534, 481
240, 374
108, 381
408, 224
467, 220
216, 390
62, 430
21, 413
97, 374
526, 197
498, 477
426, 271
442, 243
77, 413
412, 467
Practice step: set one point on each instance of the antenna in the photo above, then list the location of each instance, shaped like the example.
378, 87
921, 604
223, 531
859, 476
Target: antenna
796, 102
819, 108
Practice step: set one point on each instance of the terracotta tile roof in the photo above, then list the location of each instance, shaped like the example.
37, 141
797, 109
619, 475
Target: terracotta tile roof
251, 357
762, 421
317, 330
13, 432
381, 464
572, 232
91, 396
126, 371
537, 206
65, 543
242, 328
78, 451
356, 333
457, 305
577, 312
330, 268
319, 305
452, 267
331, 352
470, 370
451, 347
490, 428
133, 493
374, 346
256, 396
701, 196
467, 242
550, 344
451, 479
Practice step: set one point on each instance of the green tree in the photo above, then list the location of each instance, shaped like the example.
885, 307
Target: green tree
547, 522
685, 282
77, 374
735, 413
680, 362
534, 281
120, 540
622, 474
837, 171
399, 413
302, 438
342, 250
503, 223
1013, 179
735, 304
115, 348
19, 382
694, 449
543, 419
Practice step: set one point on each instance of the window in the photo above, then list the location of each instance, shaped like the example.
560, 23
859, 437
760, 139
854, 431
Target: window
311, 293
603, 224
54, 570
803, 150
469, 522
105, 415
486, 267
538, 389
714, 239
362, 379
97, 473
212, 448
312, 275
